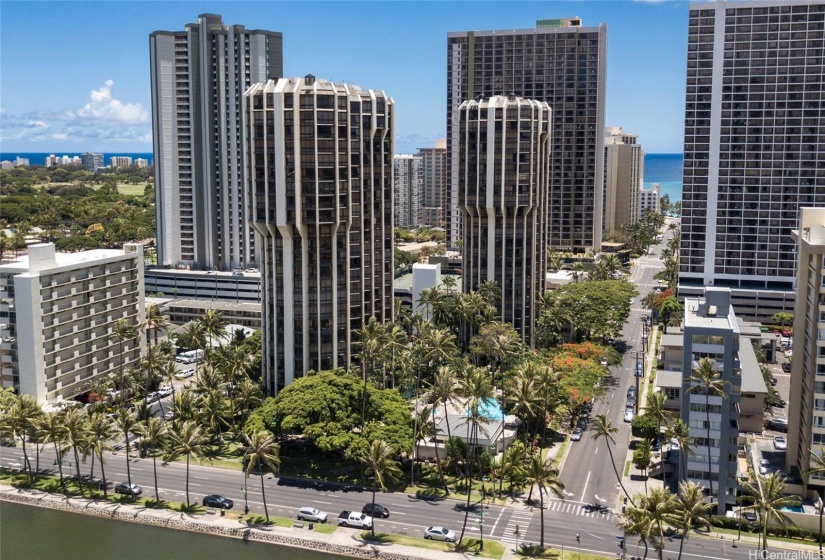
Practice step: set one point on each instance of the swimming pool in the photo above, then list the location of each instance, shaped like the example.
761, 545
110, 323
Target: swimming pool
490, 410
794, 509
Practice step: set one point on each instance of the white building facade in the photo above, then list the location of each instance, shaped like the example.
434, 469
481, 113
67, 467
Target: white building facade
650, 199
408, 188
623, 171
57, 318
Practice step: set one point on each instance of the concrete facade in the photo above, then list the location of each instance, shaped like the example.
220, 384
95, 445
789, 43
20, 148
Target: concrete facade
58, 314
408, 190
623, 171
434, 184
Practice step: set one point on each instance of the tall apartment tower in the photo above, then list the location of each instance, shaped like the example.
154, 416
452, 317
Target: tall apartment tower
58, 313
806, 405
754, 147
91, 162
408, 187
199, 77
712, 331
434, 170
503, 176
319, 157
623, 171
559, 62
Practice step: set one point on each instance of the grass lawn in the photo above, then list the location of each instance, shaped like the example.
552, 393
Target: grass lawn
492, 549
626, 468
257, 519
747, 533
568, 555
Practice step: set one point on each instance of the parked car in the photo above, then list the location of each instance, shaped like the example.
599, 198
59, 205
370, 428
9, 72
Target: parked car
603, 362
218, 501
439, 534
789, 353
786, 367
375, 510
764, 466
354, 519
164, 391
128, 489
631, 391
170, 414
628, 415
151, 397
780, 443
631, 401
778, 424
582, 424
308, 513
185, 373
576, 435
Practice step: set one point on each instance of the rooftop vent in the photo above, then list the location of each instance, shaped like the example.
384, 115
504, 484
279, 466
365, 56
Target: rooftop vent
309, 79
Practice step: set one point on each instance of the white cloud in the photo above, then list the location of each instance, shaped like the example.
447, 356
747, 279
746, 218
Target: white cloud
103, 107
36, 124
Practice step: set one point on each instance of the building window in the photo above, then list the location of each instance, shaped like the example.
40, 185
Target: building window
673, 393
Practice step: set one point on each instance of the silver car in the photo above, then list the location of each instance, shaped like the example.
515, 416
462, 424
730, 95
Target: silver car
439, 534
312, 514
628, 415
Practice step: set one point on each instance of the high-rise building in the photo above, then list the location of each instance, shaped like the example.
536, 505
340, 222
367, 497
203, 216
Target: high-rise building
434, 170
408, 187
141, 162
199, 77
319, 156
503, 166
650, 199
58, 313
559, 62
91, 162
806, 405
120, 161
754, 149
623, 172
711, 331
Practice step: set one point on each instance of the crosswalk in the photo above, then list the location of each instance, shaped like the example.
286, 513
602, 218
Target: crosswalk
585, 510
520, 519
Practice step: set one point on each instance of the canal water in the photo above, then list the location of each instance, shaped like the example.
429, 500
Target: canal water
35, 533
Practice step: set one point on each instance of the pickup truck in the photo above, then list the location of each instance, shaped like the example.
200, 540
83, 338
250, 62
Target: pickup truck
355, 519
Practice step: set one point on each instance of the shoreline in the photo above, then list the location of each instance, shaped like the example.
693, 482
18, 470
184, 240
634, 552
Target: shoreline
341, 542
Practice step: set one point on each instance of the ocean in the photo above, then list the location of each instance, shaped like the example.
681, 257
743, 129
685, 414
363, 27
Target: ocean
665, 169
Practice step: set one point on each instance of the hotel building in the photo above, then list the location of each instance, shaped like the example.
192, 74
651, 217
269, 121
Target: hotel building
623, 172
198, 78
57, 318
320, 181
434, 178
407, 182
559, 62
754, 150
503, 165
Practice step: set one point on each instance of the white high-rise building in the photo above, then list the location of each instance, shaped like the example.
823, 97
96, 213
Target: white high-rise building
650, 199
120, 161
559, 62
322, 203
434, 178
199, 77
408, 188
57, 318
754, 149
623, 172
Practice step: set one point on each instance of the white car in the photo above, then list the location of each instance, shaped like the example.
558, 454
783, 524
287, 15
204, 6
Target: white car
164, 391
628, 415
185, 373
151, 397
780, 443
439, 534
170, 414
764, 466
603, 362
789, 353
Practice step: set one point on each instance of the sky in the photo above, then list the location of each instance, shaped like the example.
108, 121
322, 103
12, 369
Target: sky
74, 75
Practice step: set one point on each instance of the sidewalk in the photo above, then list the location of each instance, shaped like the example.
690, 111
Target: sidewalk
343, 541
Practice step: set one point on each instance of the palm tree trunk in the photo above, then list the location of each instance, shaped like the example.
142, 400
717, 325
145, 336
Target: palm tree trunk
541, 513
103, 475
77, 469
364, 397
92, 470
681, 544
26, 459
155, 469
263, 494
469, 484
187, 480
438, 459
710, 471
128, 466
37, 457
619, 478
60, 467
372, 529
415, 425
644, 542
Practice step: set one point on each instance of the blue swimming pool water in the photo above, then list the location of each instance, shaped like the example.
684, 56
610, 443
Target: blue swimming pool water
489, 409
795, 509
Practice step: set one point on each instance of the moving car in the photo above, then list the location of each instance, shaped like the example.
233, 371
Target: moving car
218, 501
786, 367
128, 489
164, 391
780, 443
628, 415
185, 373
354, 519
764, 466
308, 513
439, 534
576, 435
375, 510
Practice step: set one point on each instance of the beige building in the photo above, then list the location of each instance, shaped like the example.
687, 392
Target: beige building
623, 172
57, 318
806, 405
434, 183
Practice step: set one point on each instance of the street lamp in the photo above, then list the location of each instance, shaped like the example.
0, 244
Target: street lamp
820, 506
245, 500
579, 541
481, 527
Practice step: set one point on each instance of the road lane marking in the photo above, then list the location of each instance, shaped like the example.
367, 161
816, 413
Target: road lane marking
493, 528
596, 451
585, 485
201, 477
320, 502
401, 505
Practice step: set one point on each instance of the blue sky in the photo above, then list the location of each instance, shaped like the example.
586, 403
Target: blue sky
74, 76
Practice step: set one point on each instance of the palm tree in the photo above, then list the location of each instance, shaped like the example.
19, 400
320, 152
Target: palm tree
19, 423
371, 342
680, 432
555, 262
187, 439
380, 465
248, 397
155, 321
441, 393
603, 428
155, 437
689, 511
77, 433
261, 452
213, 326
475, 387
767, 498
192, 337
706, 379
541, 472
55, 432
655, 407
648, 519
123, 331
101, 431
817, 468
127, 422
